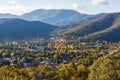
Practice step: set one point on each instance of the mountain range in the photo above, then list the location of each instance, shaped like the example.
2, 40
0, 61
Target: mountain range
57, 17
71, 24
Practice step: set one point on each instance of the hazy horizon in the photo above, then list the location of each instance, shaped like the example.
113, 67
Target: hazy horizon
19, 7
58, 9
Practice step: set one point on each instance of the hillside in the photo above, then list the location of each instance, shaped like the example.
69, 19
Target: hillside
59, 17
21, 29
110, 34
103, 28
8, 16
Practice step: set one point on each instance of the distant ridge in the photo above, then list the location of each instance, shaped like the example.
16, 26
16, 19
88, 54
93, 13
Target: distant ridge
22, 29
104, 26
60, 17
8, 16
57, 17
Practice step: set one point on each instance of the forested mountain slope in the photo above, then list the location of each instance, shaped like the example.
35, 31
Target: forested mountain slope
103, 28
22, 29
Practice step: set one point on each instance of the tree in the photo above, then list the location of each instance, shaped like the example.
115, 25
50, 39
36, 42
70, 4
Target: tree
66, 71
105, 68
82, 72
11, 73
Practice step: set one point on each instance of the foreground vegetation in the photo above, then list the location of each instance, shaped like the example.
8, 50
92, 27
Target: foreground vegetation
59, 59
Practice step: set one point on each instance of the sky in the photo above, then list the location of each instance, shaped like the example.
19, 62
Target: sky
19, 7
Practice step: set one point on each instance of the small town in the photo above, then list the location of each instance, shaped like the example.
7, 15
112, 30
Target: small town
53, 54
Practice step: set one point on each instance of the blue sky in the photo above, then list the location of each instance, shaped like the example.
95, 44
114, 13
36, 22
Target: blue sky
83, 6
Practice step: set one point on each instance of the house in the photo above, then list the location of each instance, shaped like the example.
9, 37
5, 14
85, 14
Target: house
39, 48
7, 59
27, 64
39, 74
12, 64
44, 62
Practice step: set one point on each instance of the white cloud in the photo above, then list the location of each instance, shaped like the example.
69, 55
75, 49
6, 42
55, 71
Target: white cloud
73, 6
98, 2
77, 7
19, 9
16, 9
12, 2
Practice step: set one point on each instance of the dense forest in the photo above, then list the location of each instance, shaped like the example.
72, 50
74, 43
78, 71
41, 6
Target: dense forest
59, 59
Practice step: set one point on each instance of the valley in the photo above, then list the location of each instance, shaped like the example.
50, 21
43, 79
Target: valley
59, 44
